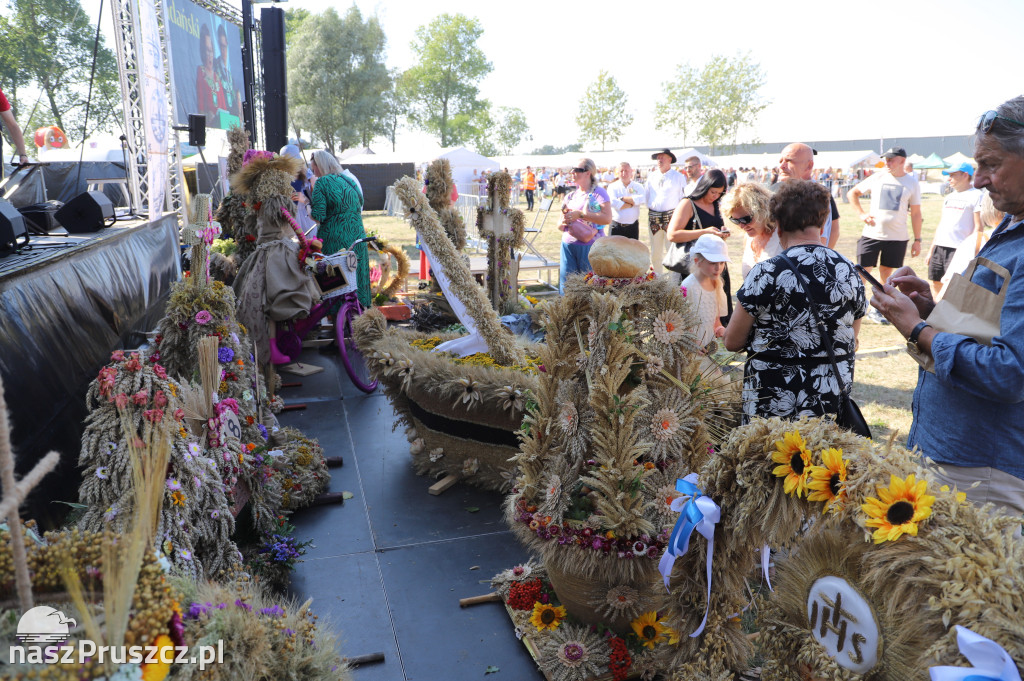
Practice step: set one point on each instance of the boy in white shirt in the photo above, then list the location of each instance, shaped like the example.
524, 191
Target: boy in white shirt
961, 217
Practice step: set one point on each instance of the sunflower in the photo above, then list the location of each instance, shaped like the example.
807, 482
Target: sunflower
547, 616
794, 462
158, 671
900, 507
826, 483
648, 628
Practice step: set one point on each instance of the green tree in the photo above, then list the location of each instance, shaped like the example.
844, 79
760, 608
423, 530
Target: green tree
443, 84
47, 47
396, 107
675, 110
603, 113
716, 102
337, 78
512, 128
479, 130
293, 19
550, 149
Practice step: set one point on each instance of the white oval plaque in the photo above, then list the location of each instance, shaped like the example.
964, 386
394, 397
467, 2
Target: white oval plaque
841, 620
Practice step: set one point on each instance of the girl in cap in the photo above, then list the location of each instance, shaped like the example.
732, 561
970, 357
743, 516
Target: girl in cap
704, 286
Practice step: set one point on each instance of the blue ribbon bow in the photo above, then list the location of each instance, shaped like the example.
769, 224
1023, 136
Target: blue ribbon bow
697, 512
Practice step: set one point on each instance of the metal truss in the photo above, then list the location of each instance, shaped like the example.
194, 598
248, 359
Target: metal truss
127, 45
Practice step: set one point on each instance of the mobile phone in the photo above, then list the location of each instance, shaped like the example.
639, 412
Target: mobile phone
867, 275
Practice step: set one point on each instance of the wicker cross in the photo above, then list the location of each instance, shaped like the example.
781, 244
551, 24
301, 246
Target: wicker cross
199, 234
13, 494
496, 225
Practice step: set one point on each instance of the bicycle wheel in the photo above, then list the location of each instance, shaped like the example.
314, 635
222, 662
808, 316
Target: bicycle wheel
351, 358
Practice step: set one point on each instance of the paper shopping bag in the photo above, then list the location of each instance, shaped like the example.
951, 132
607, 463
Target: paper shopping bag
968, 309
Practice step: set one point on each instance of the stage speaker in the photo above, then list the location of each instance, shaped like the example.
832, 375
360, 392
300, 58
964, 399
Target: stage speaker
196, 130
275, 81
87, 212
12, 227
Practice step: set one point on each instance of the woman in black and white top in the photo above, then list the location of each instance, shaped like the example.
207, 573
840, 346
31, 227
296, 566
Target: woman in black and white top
789, 373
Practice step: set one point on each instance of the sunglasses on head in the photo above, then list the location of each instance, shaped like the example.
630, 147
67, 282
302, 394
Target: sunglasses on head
577, 170
989, 119
745, 220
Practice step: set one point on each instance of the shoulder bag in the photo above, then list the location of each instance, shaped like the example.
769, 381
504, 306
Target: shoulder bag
677, 256
581, 230
849, 416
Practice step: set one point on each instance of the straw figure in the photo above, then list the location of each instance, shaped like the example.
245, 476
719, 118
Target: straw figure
881, 564
503, 227
621, 412
272, 286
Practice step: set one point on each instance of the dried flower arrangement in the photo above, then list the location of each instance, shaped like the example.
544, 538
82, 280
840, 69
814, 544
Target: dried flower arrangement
388, 283
266, 461
462, 414
877, 573
236, 219
501, 344
569, 650
263, 637
622, 411
129, 399
503, 227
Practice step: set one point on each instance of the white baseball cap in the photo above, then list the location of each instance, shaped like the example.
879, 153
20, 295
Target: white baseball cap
711, 248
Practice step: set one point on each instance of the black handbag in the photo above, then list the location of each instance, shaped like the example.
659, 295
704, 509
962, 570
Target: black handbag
848, 416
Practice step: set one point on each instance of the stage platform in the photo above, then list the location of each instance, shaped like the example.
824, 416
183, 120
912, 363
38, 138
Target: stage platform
67, 302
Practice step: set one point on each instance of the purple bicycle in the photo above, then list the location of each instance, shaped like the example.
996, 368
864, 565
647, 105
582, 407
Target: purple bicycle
336, 276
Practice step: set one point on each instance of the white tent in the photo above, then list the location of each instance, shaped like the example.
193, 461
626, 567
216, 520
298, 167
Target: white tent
464, 162
958, 158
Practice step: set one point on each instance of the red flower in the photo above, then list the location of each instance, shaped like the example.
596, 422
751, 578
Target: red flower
179, 414
133, 364
522, 595
154, 415
250, 237
159, 399
140, 398
121, 400
117, 356
160, 372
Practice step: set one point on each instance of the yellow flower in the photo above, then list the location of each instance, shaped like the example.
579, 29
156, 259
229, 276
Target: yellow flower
158, 671
648, 629
961, 497
177, 498
899, 508
673, 634
546, 616
173, 389
794, 462
826, 482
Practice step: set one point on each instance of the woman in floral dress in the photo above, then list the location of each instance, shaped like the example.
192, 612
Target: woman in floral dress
789, 373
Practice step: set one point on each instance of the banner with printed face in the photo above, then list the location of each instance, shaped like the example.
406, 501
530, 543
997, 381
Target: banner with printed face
205, 55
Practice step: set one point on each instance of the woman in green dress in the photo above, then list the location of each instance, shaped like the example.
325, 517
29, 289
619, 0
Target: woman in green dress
337, 207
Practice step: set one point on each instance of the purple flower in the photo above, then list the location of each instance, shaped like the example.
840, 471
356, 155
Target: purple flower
242, 604
203, 317
225, 355
276, 611
263, 430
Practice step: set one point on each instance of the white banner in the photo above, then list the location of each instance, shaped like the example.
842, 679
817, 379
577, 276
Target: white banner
155, 106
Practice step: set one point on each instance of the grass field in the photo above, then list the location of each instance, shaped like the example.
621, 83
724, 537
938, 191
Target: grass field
884, 385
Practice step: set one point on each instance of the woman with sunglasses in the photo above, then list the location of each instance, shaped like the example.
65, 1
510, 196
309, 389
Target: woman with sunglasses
699, 214
585, 211
747, 207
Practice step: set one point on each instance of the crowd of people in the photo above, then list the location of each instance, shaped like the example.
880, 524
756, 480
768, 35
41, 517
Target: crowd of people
800, 304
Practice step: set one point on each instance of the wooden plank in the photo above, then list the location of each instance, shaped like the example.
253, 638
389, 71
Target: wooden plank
443, 484
316, 342
300, 369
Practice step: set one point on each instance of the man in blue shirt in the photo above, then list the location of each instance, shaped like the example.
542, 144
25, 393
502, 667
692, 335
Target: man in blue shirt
969, 413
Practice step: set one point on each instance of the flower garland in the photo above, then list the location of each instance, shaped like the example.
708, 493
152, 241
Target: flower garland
567, 650
600, 282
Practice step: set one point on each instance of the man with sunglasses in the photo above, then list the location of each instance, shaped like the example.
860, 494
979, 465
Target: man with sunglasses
693, 169
664, 192
969, 413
